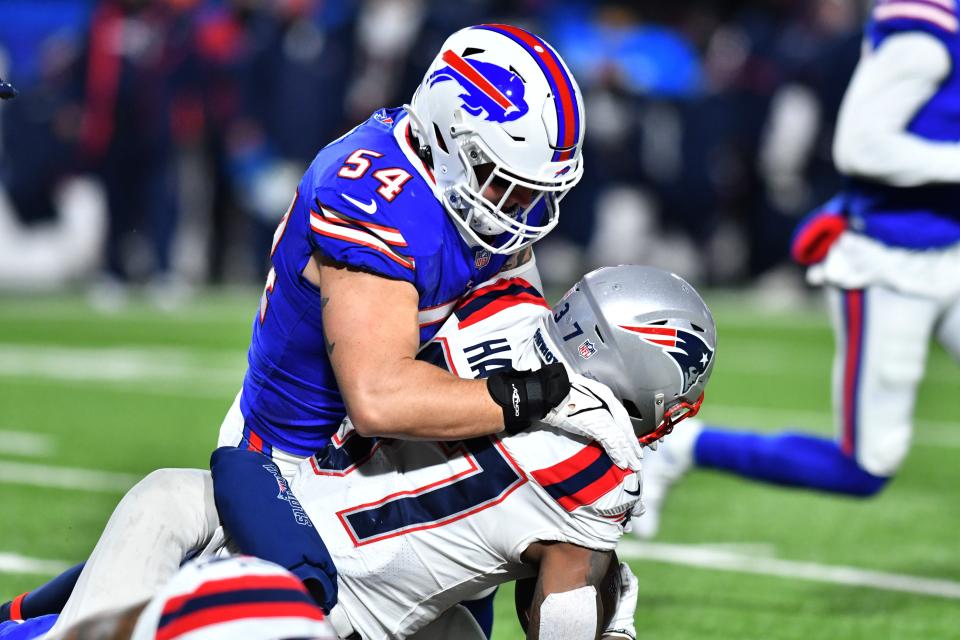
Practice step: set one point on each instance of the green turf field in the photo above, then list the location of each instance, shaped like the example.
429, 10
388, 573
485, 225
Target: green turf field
90, 403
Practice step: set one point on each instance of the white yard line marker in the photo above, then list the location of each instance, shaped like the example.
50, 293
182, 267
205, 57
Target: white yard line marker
15, 563
38, 475
25, 443
120, 364
707, 557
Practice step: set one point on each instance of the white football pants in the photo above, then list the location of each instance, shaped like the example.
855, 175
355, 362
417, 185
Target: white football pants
882, 341
163, 519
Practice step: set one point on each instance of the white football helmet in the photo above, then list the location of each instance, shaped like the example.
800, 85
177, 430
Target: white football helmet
645, 333
501, 115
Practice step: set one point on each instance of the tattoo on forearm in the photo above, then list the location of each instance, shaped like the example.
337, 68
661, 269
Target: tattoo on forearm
329, 344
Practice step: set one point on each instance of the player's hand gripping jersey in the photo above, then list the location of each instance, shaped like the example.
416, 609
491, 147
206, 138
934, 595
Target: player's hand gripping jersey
367, 201
421, 526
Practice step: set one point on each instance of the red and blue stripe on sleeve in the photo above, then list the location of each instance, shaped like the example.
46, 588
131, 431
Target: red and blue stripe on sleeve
380, 243
581, 479
487, 301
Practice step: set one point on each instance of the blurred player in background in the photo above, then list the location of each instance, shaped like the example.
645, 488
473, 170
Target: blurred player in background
413, 528
888, 251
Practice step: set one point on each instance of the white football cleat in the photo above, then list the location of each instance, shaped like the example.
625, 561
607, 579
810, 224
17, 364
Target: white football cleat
662, 468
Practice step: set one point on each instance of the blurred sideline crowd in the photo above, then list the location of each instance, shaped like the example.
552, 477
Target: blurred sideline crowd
155, 144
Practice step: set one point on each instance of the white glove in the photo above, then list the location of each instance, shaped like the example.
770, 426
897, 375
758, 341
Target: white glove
592, 411
622, 625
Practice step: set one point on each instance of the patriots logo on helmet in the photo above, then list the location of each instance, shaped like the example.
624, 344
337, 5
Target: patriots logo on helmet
690, 351
493, 91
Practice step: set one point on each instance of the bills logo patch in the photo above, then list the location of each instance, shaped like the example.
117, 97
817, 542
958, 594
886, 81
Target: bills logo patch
488, 90
688, 350
587, 349
482, 258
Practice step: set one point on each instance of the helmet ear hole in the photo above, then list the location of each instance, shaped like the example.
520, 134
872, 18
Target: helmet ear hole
440, 141
632, 409
596, 328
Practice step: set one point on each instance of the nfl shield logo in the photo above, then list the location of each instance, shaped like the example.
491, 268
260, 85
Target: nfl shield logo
586, 349
482, 258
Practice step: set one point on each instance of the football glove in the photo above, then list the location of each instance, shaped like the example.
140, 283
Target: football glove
622, 624
592, 411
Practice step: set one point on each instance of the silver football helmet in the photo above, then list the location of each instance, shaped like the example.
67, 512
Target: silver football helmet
646, 334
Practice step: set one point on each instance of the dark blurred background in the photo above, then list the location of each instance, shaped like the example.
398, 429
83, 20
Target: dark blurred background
156, 143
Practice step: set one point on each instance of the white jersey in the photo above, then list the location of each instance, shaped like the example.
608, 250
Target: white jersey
236, 597
416, 527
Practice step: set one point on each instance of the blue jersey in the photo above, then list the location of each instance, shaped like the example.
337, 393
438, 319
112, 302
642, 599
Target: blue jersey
28, 629
370, 202
927, 216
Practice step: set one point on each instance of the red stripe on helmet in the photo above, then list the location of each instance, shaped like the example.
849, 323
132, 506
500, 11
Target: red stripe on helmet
474, 76
567, 99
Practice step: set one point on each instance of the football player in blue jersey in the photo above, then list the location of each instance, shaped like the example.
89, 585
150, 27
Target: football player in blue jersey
390, 226
887, 250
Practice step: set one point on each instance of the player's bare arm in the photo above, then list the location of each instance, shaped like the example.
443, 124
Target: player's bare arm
388, 393
386, 390
569, 589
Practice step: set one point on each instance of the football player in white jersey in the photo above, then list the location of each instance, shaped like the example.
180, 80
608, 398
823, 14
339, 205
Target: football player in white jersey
887, 249
415, 527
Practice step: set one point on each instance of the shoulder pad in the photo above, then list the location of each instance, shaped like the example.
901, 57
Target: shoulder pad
366, 177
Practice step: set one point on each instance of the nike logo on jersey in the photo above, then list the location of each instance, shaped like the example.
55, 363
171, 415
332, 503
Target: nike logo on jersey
367, 207
633, 493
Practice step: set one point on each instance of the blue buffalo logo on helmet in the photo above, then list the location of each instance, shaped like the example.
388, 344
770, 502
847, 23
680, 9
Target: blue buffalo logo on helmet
493, 91
690, 351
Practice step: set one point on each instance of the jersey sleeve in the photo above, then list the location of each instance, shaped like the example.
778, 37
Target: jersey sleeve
368, 246
938, 18
596, 495
488, 329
